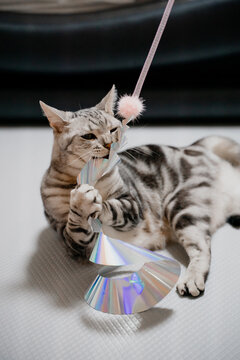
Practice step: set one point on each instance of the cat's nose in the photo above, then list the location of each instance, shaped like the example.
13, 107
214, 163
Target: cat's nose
108, 146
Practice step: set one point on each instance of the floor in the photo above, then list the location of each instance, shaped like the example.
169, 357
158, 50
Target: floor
42, 311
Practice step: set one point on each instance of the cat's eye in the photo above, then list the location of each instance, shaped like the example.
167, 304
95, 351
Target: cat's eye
112, 130
89, 136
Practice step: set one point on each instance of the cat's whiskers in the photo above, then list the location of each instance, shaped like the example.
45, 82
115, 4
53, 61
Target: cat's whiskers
139, 152
145, 153
79, 158
131, 155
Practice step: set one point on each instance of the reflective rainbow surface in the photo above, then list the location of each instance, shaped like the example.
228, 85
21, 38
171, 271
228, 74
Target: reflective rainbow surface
113, 252
135, 292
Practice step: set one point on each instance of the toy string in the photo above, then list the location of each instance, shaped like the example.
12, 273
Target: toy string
153, 48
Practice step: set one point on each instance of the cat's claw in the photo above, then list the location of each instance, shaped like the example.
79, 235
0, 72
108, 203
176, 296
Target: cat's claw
86, 200
191, 285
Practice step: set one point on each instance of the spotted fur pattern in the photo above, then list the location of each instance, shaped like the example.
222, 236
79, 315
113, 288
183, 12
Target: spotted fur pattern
155, 194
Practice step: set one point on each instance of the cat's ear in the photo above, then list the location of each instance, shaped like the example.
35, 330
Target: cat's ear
108, 102
55, 117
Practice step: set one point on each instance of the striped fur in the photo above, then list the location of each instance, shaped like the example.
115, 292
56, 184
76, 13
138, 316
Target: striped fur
155, 194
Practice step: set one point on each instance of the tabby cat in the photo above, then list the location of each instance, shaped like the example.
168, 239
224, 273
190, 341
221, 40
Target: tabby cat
155, 194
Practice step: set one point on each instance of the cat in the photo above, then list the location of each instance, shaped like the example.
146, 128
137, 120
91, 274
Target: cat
155, 194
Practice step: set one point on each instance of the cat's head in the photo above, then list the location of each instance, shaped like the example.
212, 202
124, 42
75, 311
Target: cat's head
86, 133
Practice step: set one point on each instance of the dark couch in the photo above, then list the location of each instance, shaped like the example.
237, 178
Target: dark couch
71, 61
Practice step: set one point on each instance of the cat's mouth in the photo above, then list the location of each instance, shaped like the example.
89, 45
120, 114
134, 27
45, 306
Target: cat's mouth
101, 157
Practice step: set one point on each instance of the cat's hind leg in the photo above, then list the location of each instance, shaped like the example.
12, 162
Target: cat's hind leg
189, 214
196, 241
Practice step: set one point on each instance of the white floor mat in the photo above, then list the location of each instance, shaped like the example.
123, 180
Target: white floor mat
42, 311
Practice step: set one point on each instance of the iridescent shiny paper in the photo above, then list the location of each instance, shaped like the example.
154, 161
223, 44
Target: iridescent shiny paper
136, 291
113, 252
96, 168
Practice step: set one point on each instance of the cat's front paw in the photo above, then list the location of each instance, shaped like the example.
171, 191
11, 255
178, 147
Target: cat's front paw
191, 284
86, 200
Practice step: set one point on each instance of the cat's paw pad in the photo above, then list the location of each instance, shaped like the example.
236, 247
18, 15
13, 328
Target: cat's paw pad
191, 284
86, 200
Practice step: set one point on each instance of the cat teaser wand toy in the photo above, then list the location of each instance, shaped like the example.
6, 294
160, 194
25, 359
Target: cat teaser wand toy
140, 290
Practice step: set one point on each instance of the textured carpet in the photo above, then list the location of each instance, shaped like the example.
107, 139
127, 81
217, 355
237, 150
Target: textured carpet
42, 311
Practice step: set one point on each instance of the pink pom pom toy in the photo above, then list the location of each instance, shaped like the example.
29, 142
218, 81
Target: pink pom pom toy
130, 107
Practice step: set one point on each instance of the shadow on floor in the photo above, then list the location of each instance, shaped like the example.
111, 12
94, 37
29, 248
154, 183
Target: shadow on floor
54, 273
177, 252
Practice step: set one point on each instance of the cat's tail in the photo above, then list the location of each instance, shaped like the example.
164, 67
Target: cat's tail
234, 221
223, 147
